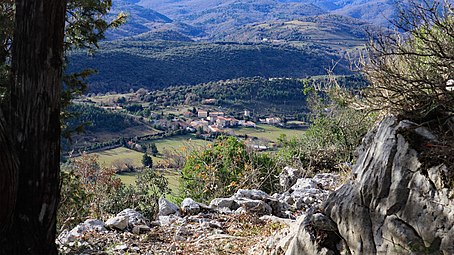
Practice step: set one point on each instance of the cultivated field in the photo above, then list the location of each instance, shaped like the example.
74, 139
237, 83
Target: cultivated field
268, 132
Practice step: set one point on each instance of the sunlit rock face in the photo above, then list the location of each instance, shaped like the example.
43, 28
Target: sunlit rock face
396, 204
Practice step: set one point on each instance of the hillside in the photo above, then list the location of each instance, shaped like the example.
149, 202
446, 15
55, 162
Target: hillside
259, 95
219, 13
219, 16
154, 25
334, 31
139, 20
264, 97
123, 65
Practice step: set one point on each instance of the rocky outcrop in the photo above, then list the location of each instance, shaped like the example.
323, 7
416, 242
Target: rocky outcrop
167, 208
396, 203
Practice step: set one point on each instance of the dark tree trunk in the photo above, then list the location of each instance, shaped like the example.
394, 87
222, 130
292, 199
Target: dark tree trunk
33, 130
8, 178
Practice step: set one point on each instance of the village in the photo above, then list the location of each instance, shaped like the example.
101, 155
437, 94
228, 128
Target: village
205, 120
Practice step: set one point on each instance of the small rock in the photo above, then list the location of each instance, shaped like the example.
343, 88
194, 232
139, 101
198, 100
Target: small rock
278, 207
120, 247
140, 229
224, 203
134, 217
189, 206
183, 231
255, 206
253, 194
288, 177
80, 230
167, 208
304, 184
308, 200
169, 220
155, 223
228, 246
241, 210
215, 224
327, 181
117, 222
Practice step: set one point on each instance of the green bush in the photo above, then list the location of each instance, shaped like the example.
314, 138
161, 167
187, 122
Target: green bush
74, 206
225, 167
89, 190
144, 196
334, 133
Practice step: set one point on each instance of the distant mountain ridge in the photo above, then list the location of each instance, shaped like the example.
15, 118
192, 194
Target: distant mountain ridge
187, 42
207, 19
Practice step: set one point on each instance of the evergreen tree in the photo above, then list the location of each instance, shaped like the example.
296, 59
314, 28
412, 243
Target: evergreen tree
147, 161
154, 149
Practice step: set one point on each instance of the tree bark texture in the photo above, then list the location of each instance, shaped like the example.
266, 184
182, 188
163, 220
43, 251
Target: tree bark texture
33, 128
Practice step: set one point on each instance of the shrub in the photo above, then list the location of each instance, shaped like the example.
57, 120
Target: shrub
225, 167
144, 196
89, 190
334, 133
74, 204
409, 71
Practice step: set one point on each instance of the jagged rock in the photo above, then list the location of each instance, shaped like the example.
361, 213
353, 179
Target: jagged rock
189, 206
279, 208
219, 203
327, 181
80, 230
313, 228
255, 206
395, 205
322, 222
167, 208
117, 222
288, 177
252, 194
309, 192
134, 217
305, 184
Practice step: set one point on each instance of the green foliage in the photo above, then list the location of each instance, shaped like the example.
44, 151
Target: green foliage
260, 95
88, 186
158, 64
74, 206
86, 23
147, 161
90, 190
335, 132
96, 119
144, 196
225, 167
154, 149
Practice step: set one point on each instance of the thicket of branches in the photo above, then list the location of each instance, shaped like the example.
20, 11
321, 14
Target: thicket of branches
409, 71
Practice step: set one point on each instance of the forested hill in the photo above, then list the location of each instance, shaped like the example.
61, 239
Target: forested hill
274, 96
331, 30
219, 13
123, 65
